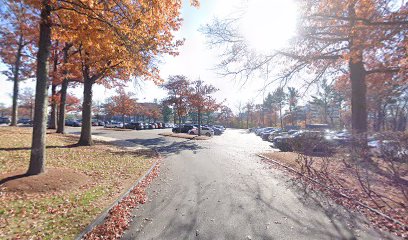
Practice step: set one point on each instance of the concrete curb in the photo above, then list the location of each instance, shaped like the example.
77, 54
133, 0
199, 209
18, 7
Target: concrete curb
101, 218
124, 144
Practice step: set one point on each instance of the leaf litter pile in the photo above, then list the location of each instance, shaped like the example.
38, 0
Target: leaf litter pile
79, 183
360, 181
120, 216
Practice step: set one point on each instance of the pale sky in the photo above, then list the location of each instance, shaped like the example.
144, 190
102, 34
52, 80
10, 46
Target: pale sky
262, 26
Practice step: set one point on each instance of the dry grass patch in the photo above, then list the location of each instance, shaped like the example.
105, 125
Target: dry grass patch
185, 136
79, 184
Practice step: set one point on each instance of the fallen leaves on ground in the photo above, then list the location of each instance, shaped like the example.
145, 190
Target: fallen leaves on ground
121, 215
65, 212
385, 196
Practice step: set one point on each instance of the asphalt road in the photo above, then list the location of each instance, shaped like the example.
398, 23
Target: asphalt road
219, 189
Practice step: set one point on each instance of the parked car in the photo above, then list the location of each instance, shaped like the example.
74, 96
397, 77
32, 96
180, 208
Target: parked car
135, 126
5, 120
388, 149
342, 137
270, 132
217, 131
258, 132
24, 121
278, 133
183, 128
113, 124
204, 131
313, 141
222, 128
73, 123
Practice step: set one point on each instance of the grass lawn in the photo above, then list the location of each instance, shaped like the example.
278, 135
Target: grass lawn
79, 183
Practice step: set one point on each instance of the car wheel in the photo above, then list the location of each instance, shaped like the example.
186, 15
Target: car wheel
192, 133
208, 134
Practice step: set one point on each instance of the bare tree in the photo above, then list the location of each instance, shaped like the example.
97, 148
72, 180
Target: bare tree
335, 38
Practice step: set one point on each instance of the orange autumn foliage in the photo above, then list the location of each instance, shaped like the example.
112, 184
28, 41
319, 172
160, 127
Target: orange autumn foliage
122, 104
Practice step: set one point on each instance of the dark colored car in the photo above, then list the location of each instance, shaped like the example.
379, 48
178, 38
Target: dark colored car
183, 128
24, 121
135, 126
221, 127
73, 123
217, 131
4, 120
258, 132
265, 134
305, 141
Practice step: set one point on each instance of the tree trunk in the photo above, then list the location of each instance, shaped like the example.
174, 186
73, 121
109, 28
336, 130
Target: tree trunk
380, 118
86, 128
14, 113
37, 159
199, 122
280, 115
179, 123
357, 78
61, 118
53, 114
247, 122
358, 96
63, 93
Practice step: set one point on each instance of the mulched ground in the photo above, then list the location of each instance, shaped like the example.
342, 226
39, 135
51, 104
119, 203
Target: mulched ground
53, 180
370, 183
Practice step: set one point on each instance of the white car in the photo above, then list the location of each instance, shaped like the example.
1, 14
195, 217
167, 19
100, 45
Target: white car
387, 148
209, 132
114, 125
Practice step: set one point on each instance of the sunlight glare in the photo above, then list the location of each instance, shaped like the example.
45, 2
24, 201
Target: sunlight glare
269, 24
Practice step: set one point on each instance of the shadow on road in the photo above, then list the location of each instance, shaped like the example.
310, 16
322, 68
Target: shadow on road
341, 221
165, 147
